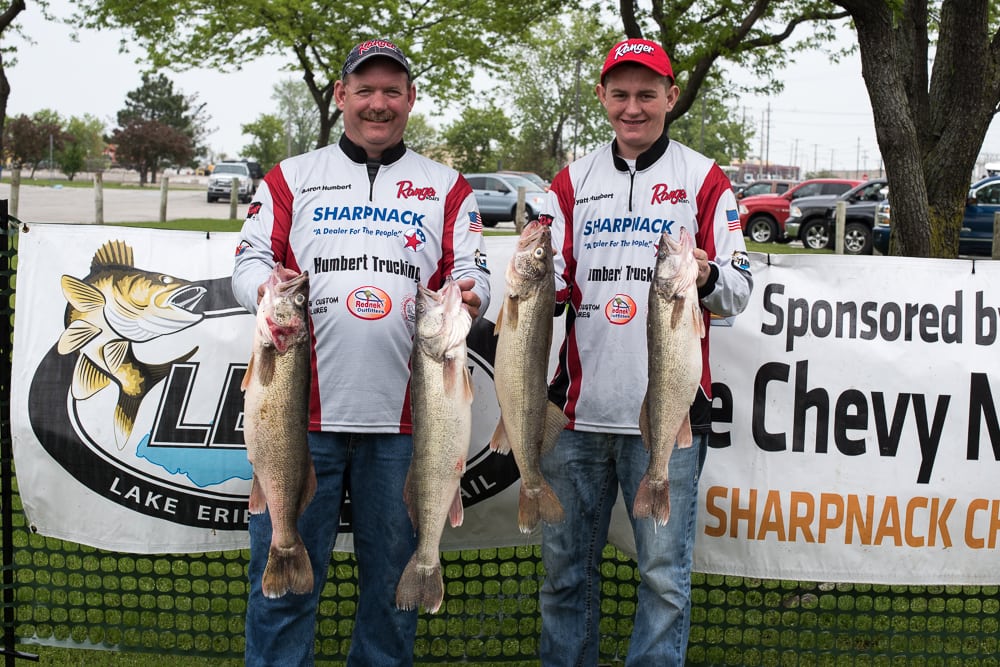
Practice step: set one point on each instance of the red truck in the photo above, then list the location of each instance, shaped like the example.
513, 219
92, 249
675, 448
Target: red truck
762, 217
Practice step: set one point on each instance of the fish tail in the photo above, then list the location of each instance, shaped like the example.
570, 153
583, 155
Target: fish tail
534, 505
652, 500
288, 570
420, 586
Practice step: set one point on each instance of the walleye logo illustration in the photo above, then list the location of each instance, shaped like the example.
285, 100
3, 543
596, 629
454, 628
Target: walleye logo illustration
109, 310
114, 417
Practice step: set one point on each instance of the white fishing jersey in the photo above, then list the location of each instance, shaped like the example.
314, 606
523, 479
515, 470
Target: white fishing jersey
366, 243
607, 219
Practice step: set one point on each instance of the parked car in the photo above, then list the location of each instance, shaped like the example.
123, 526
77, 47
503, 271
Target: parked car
220, 182
765, 186
859, 221
763, 216
496, 195
976, 235
809, 221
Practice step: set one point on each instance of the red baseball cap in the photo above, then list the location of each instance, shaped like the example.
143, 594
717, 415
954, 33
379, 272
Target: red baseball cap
640, 51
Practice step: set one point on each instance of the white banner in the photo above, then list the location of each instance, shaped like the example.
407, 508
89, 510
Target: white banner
856, 431
853, 436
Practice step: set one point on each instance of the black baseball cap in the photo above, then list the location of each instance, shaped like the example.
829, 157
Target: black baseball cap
373, 48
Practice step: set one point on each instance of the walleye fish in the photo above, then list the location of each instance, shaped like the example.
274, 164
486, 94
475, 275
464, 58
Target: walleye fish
107, 311
441, 399
275, 427
529, 423
674, 328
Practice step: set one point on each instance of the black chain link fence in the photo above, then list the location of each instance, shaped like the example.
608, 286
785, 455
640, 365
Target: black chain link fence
65, 594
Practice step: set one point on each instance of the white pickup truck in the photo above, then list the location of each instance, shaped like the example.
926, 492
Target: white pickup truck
220, 182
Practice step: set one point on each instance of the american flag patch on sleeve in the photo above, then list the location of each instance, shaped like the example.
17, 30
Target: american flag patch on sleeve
475, 223
733, 218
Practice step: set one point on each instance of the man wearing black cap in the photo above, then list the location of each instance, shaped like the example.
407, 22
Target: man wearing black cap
609, 210
369, 219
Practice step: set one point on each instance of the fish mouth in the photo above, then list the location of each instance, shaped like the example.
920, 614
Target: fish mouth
186, 298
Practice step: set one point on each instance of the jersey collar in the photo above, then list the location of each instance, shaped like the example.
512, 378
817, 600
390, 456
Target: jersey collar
357, 153
646, 159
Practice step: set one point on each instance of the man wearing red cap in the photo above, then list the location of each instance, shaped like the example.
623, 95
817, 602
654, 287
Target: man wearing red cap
352, 214
608, 211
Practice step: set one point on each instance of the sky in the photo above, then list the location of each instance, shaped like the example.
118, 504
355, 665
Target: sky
821, 120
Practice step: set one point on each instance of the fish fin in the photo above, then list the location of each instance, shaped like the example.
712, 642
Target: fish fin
511, 304
88, 378
288, 569
420, 586
457, 382
644, 429
258, 501
456, 513
536, 505
157, 372
247, 374
408, 496
265, 363
112, 253
499, 322
114, 353
85, 298
699, 321
309, 490
679, 311
499, 442
467, 393
684, 437
76, 335
125, 412
555, 422
652, 500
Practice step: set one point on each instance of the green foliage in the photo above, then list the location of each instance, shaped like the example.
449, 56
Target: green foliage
422, 137
477, 140
270, 140
551, 87
30, 139
86, 135
298, 111
444, 39
158, 127
712, 129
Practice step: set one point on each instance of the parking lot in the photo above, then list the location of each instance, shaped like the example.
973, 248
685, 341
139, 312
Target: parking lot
77, 205
66, 204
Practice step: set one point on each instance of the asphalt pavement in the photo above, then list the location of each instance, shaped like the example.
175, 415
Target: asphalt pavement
66, 204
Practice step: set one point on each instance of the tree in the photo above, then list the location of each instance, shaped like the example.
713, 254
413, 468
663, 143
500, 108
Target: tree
144, 145
84, 146
556, 112
7, 23
155, 104
422, 137
444, 39
269, 145
29, 140
476, 141
930, 121
298, 114
712, 129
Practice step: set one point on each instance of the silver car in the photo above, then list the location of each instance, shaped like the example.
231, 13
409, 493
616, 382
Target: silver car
496, 195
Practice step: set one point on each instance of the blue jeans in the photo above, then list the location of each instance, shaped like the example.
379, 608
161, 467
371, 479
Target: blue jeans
585, 470
282, 631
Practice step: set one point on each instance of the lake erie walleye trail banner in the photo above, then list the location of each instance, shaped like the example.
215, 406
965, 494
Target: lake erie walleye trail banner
856, 436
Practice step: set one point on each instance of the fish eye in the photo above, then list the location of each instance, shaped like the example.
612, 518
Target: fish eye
539, 253
166, 280
300, 299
